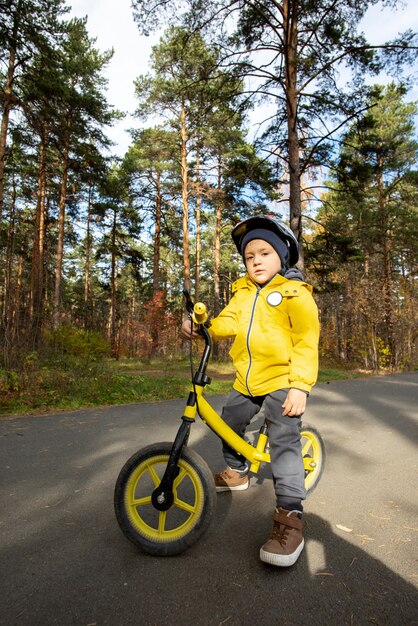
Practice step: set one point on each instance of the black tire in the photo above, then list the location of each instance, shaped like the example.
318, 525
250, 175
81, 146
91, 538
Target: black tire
164, 533
313, 452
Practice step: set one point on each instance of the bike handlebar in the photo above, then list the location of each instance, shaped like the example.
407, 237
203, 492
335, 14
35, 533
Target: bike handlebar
189, 301
199, 316
198, 312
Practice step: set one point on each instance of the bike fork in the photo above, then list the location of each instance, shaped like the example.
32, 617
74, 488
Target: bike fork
163, 497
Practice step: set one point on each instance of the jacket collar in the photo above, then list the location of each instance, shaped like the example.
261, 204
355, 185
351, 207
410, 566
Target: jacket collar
276, 281
246, 282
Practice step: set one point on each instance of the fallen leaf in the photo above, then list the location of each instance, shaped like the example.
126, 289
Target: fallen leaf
364, 538
344, 528
377, 516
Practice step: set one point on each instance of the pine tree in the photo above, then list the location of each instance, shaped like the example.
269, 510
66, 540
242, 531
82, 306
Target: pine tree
292, 52
83, 111
373, 206
26, 28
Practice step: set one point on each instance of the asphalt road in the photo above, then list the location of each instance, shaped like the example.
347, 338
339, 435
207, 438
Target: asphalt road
64, 560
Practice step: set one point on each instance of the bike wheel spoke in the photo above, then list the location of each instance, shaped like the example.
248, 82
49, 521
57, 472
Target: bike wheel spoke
306, 447
141, 501
184, 506
154, 476
161, 521
189, 506
179, 478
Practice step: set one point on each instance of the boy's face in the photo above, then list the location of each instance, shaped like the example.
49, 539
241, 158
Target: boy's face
262, 261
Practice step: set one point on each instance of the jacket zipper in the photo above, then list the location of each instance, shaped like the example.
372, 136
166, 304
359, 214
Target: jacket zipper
248, 341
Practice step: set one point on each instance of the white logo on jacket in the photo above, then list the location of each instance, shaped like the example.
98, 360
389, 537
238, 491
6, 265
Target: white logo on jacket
274, 298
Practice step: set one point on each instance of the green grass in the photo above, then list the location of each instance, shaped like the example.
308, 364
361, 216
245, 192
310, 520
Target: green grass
112, 383
327, 375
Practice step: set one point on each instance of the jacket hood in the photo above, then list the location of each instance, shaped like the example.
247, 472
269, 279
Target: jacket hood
294, 274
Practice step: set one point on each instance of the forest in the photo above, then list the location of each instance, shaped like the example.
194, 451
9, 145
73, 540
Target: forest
96, 249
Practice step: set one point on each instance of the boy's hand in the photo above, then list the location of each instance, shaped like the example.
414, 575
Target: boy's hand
186, 329
295, 403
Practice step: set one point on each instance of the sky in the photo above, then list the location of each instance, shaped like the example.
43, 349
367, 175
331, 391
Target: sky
112, 24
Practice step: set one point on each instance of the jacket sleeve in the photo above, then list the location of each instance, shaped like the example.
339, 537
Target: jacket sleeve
225, 324
303, 314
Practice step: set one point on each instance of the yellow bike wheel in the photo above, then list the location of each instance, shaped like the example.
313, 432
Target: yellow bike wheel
313, 453
159, 532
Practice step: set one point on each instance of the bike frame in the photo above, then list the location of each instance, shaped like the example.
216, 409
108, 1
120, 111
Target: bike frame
162, 496
197, 403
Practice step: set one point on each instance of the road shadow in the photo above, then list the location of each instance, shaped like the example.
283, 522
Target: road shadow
389, 401
65, 561
86, 572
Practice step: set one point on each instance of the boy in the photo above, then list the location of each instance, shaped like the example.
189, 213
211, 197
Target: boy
274, 321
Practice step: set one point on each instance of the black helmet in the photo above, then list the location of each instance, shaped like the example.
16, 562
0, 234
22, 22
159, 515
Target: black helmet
273, 224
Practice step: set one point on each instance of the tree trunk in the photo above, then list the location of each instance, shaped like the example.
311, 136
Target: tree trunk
9, 312
113, 293
7, 285
198, 229
290, 27
61, 224
185, 199
217, 246
7, 96
36, 291
87, 267
387, 268
157, 237
7, 102
157, 294
217, 255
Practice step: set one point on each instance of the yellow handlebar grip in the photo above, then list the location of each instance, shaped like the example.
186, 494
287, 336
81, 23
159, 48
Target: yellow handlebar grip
200, 314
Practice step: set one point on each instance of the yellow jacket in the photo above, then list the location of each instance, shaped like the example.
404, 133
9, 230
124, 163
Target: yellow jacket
276, 332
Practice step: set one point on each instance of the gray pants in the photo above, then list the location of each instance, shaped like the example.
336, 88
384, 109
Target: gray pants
284, 439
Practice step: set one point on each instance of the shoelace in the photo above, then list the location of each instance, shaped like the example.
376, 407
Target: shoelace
281, 530
280, 533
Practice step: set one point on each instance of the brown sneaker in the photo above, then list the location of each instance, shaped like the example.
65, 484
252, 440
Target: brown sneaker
286, 539
231, 480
